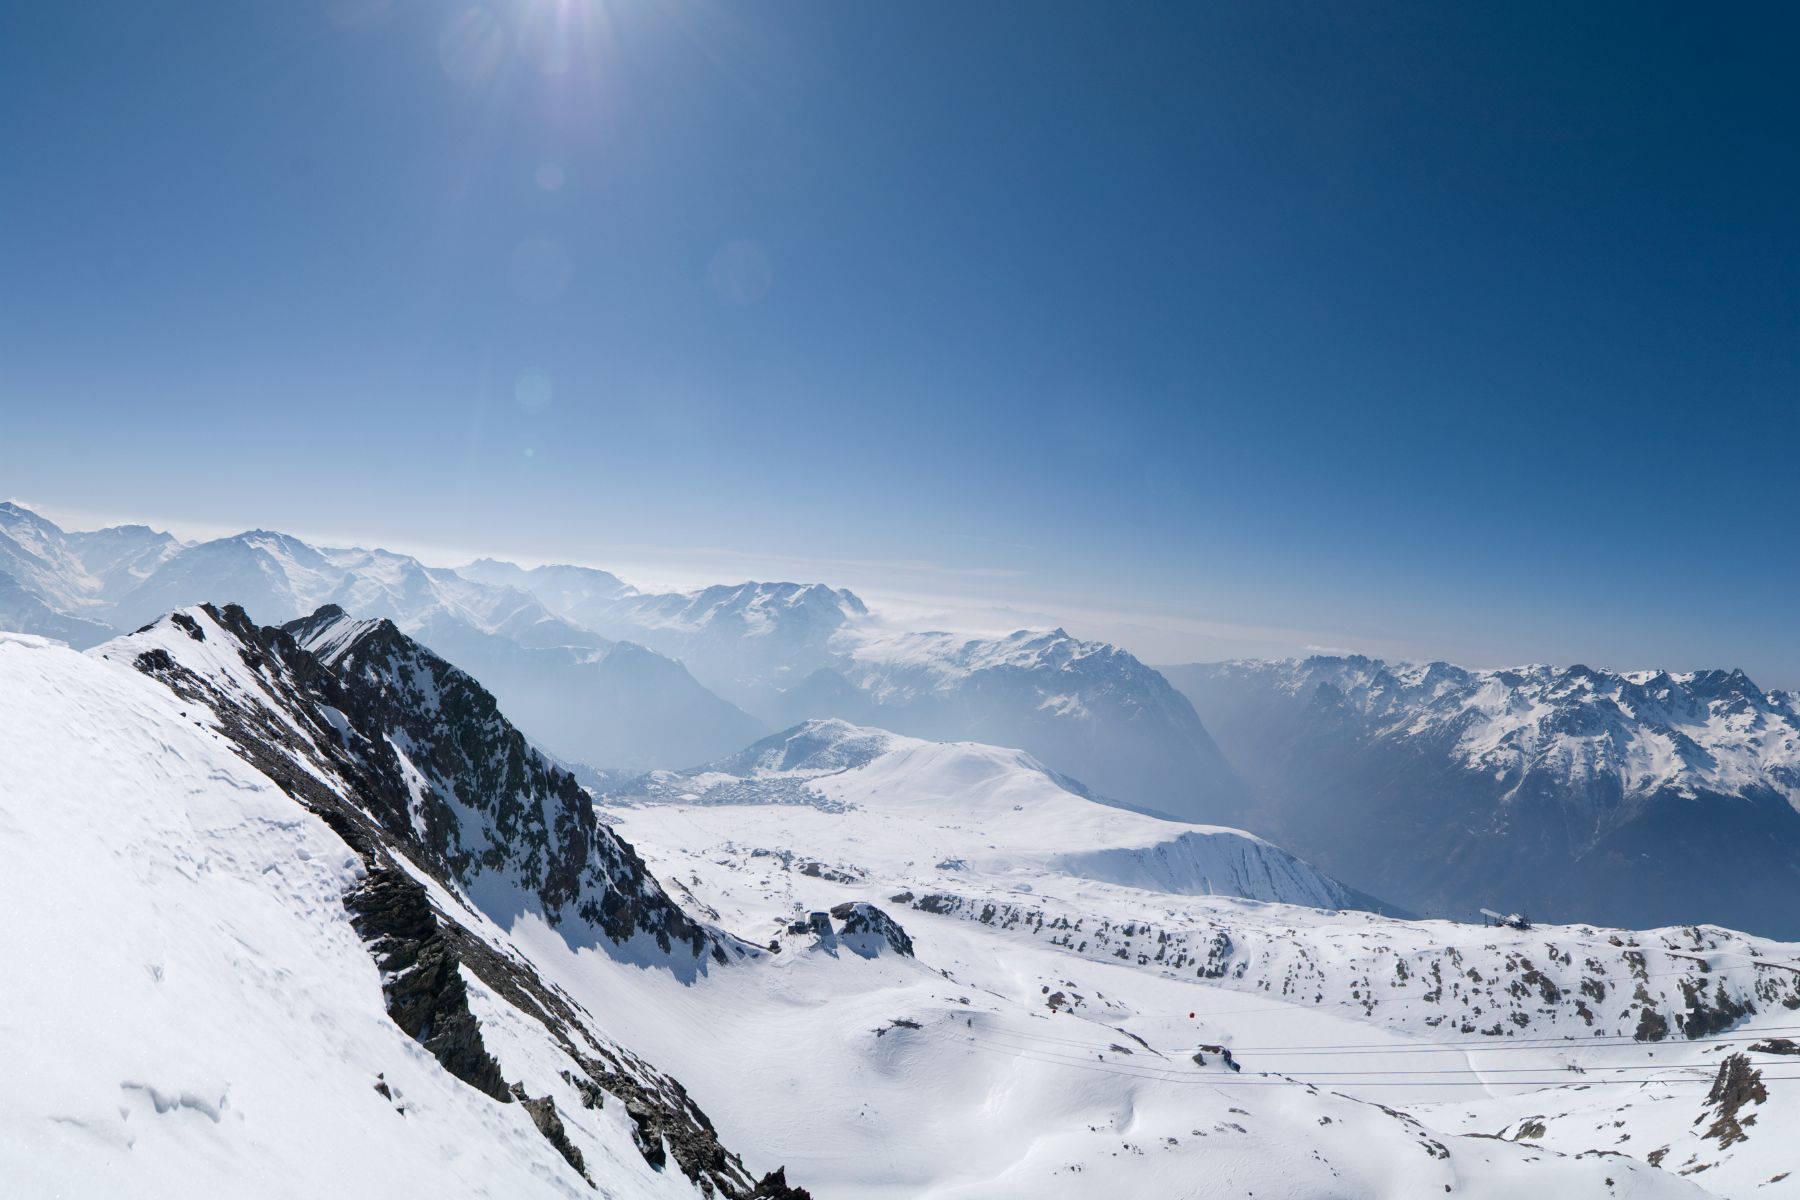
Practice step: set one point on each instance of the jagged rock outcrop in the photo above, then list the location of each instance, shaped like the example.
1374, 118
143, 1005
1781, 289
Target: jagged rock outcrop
1737, 1084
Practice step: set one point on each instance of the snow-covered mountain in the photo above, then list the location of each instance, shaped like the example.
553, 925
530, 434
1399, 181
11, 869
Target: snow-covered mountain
1649, 798
279, 577
62, 584
1087, 709
273, 890
265, 905
928, 812
617, 679
614, 704
789, 652
580, 594
749, 641
584, 696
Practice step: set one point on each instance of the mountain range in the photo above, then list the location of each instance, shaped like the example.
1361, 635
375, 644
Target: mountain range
603, 675
1576, 794
1566, 793
278, 888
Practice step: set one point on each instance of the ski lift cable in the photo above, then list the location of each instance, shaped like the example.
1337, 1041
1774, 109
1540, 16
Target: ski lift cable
1239, 1080
1540, 1044
1707, 1068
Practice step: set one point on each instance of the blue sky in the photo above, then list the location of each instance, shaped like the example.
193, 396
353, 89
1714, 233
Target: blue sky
1447, 330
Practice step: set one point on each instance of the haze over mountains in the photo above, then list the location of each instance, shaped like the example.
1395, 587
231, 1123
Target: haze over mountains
1575, 794
1649, 798
605, 676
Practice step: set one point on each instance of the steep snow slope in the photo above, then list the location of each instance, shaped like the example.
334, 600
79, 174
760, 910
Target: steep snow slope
429, 754
464, 834
189, 1009
925, 811
1575, 793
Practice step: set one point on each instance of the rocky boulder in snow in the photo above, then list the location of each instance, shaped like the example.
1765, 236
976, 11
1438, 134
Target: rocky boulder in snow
867, 930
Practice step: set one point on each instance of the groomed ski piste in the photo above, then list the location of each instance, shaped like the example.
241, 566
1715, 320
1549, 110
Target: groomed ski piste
1022, 993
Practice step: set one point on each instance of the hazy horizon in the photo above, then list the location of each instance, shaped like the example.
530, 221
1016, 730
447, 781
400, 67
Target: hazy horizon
1157, 639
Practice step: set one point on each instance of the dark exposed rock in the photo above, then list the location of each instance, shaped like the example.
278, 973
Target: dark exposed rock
542, 1111
1776, 1046
774, 1186
1705, 1017
1652, 1027
866, 929
425, 992
591, 1095
1737, 1084
152, 661
818, 870
1223, 1053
